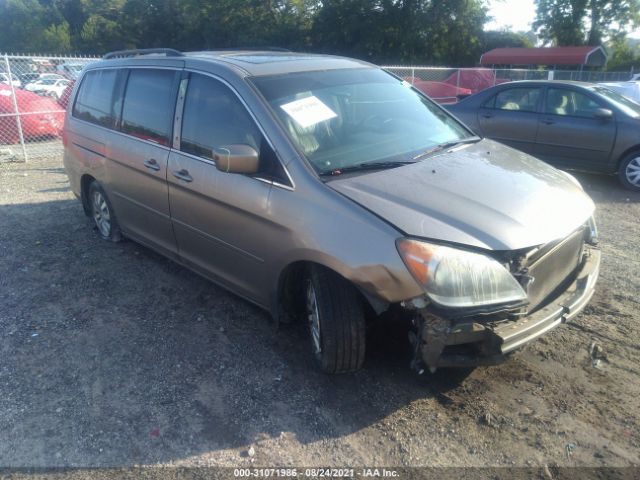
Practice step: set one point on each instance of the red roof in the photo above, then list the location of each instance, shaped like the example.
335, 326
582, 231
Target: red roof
590, 56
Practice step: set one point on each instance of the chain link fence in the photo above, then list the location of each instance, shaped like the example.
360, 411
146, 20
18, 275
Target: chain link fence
34, 91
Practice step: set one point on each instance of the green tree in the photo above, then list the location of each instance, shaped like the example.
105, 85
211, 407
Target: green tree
579, 22
624, 55
408, 31
29, 26
505, 39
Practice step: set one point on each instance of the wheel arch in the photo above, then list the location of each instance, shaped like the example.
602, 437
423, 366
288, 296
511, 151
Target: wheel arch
288, 298
85, 181
625, 154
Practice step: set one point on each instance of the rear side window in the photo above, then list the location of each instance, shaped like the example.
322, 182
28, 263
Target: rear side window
94, 102
521, 99
149, 102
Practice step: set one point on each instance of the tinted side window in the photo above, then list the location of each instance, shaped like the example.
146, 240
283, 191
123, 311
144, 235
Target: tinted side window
149, 103
568, 102
520, 99
94, 102
214, 116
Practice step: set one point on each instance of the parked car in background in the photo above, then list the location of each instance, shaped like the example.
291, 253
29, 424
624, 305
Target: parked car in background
443, 93
70, 70
328, 191
4, 78
63, 101
628, 89
30, 77
48, 76
40, 117
475, 79
571, 125
51, 87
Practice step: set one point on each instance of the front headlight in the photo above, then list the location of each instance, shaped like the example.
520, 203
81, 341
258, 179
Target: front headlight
456, 278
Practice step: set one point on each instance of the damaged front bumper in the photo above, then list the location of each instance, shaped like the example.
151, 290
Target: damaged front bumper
465, 342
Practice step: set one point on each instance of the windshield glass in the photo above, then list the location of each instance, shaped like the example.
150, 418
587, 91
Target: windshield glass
625, 104
346, 118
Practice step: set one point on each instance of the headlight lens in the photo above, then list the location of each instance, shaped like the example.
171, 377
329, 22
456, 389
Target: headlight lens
458, 279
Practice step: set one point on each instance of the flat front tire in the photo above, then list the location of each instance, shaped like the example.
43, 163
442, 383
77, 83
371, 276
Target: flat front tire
336, 320
629, 173
102, 214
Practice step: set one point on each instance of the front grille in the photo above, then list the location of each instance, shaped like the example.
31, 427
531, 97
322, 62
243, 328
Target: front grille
553, 267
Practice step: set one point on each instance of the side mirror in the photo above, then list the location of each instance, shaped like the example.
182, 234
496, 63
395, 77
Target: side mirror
603, 114
236, 159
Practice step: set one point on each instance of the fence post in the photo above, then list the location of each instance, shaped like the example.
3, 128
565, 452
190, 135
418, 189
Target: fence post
413, 76
15, 106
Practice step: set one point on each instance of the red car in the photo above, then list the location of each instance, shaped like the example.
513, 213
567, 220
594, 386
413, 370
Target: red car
40, 116
474, 79
66, 94
440, 92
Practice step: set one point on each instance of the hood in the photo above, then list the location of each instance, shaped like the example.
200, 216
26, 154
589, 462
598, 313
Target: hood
484, 195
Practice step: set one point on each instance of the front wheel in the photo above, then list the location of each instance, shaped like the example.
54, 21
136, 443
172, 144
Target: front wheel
629, 173
336, 320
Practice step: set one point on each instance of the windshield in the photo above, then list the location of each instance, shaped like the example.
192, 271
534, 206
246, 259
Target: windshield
345, 118
625, 104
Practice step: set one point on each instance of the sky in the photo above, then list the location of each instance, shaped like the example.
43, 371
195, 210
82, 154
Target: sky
517, 14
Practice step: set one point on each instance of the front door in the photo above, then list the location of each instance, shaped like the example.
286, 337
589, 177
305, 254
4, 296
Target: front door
221, 220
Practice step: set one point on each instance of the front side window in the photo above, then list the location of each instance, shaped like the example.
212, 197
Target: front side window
628, 106
346, 118
213, 117
520, 99
94, 102
561, 101
149, 102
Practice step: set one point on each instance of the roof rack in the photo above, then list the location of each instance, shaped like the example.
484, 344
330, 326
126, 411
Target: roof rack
169, 52
250, 49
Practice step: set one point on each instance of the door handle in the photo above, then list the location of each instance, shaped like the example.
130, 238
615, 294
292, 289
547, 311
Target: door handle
152, 164
183, 175
487, 115
548, 121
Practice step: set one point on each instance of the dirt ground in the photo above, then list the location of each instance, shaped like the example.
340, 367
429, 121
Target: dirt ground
112, 355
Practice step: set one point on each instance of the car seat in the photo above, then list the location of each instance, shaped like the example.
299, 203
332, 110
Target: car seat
557, 102
318, 135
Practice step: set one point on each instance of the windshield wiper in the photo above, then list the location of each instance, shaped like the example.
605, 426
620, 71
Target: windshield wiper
446, 146
365, 166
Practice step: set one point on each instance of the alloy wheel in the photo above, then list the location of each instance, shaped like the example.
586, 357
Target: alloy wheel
632, 172
101, 214
314, 319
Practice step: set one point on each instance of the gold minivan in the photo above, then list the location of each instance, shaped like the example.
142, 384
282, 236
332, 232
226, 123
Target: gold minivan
326, 189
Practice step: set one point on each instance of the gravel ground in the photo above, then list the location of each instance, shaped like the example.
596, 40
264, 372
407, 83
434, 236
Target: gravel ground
112, 355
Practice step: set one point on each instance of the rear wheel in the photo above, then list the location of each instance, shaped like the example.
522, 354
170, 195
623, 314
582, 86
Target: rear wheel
102, 214
336, 320
629, 172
